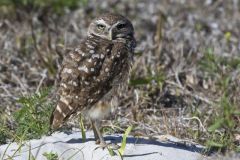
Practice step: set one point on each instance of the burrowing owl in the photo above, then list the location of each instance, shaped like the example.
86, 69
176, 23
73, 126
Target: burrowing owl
100, 64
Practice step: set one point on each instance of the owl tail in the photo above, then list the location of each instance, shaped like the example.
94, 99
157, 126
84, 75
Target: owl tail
60, 114
55, 121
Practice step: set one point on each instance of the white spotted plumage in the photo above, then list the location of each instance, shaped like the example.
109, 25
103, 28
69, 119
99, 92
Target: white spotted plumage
94, 68
83, 68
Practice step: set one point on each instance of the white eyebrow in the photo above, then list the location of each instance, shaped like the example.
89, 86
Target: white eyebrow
115, 24
101, 21
118, 22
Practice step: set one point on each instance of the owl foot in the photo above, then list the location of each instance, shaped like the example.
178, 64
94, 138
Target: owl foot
104, 145
113, 146
100, 140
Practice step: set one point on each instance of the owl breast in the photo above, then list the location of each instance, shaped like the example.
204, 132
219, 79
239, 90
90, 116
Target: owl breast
113, 70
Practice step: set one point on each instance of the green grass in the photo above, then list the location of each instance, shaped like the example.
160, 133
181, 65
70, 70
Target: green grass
213, 64
124, 141
121, 150
4, 133
223, 126
223, 123
56, 6
83, 130
159, 78
51, 155
32, 119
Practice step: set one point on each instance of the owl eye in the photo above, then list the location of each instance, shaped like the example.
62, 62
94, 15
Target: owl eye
100, 26
121, 26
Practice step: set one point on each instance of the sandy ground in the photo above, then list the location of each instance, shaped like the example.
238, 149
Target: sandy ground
70, 146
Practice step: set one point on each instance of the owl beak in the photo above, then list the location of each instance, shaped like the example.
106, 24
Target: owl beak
110, 34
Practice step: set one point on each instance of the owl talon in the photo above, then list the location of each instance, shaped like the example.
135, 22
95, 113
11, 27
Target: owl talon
112, 146
97, 141
103, 145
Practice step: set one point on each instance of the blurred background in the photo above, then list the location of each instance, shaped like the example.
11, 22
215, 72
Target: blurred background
184, 82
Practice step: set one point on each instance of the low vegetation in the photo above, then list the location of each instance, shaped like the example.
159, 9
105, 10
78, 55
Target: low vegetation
31, 120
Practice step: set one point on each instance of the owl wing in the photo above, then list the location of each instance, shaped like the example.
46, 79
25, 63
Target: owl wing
80, 79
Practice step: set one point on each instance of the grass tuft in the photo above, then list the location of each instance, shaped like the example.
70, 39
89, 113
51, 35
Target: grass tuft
32, 119
223, 126
123, 144
124, 140
83, 130
50, 155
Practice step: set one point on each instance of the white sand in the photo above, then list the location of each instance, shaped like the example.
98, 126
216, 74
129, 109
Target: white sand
70, 146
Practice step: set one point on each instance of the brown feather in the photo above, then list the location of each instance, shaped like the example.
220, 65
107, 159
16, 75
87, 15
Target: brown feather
89, 72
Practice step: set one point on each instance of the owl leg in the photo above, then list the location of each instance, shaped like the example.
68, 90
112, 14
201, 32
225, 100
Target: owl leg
97, 134
99, 138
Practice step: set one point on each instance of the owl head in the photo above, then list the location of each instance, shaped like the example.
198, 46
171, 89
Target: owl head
111, 27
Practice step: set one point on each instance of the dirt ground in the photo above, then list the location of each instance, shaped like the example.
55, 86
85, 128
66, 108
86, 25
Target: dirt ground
186, 61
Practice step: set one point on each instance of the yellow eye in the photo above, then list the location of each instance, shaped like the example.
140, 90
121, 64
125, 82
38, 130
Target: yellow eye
100, 26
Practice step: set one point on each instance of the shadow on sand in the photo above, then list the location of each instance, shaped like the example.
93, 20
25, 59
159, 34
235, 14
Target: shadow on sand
139, 141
